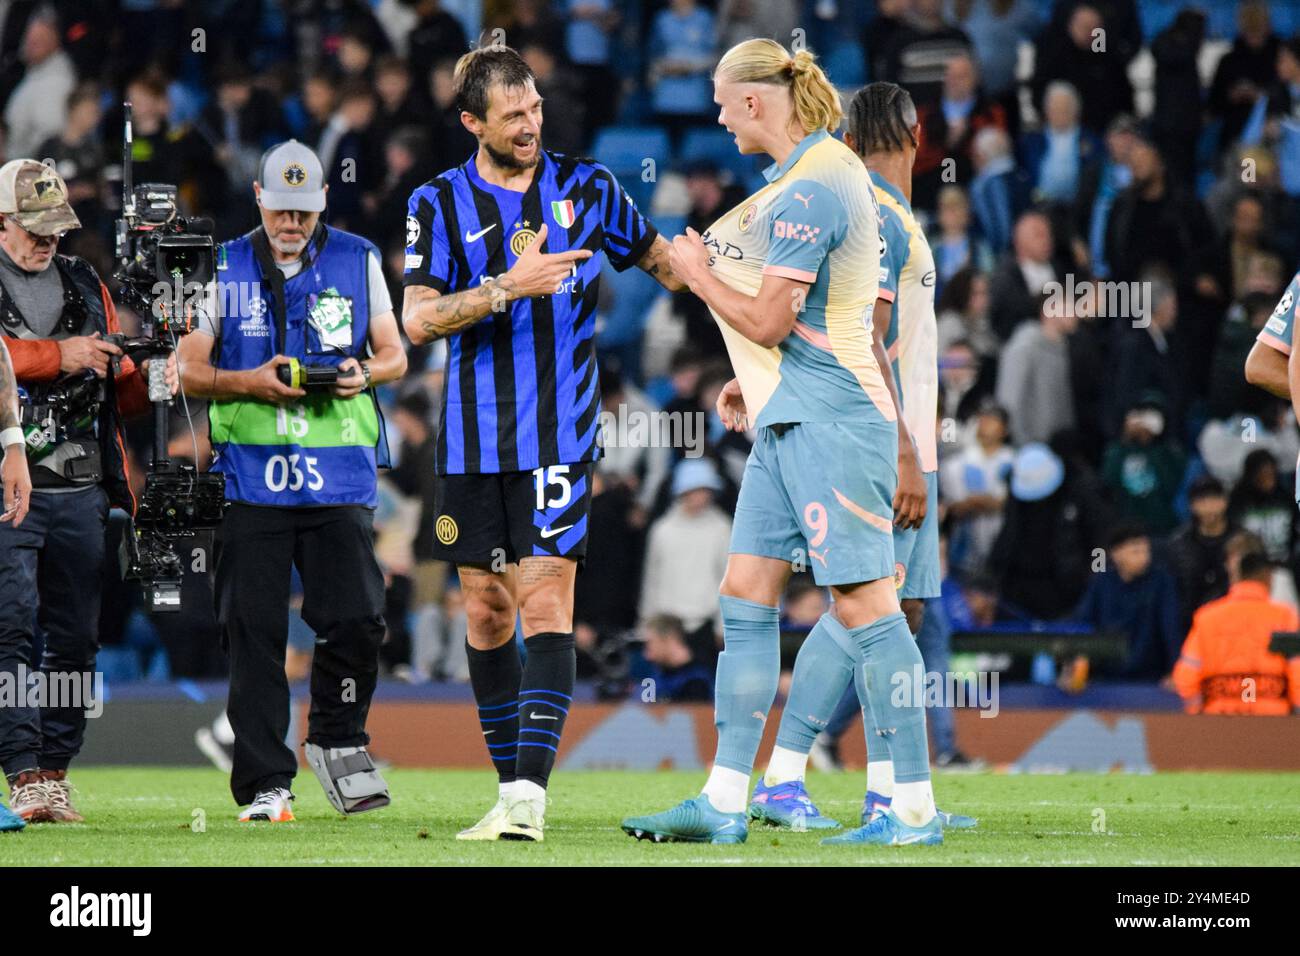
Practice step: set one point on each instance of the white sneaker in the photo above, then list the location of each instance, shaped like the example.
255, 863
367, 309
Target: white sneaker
269, 806
524, 821
490, 827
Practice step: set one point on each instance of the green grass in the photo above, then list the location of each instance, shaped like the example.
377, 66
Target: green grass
144, 816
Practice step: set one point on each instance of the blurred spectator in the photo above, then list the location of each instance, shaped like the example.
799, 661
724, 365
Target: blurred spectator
240, 124
1222, 272
78, 155
676, 674
682, 58
1152, 221
1000, 191
451, 142
1144, 468
949, 126
1148, 359
1229, 393
954, 242
973, 483
435, 36
740, 20
996, 29
1034, 375
404, 169
565, 109
964, 313
1138, 598
686, 551
1085, 51
710, 197
1058, 157
1052, 521
399, 100
1196, 551
918, 54
350, 155
534, 24
965, 381
355, 55
1100, 183
630, 457
1226, 666
1176, 120
1245, 71
1261, 505
163, 153
319, 95
589, 46
37, 108
606, 592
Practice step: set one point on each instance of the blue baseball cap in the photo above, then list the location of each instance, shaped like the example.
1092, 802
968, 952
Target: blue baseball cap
1036, 472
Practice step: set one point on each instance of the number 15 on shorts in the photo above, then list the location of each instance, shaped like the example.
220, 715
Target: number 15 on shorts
547, 478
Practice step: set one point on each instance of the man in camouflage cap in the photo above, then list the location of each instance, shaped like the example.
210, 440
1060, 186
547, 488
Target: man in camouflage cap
54, 321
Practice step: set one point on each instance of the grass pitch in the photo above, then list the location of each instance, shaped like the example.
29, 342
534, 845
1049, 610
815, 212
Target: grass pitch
177, 817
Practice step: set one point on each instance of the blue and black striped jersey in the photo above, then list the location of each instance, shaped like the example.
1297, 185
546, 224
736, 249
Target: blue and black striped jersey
521, 389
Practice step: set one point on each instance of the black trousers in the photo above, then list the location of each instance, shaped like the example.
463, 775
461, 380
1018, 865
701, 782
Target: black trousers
50, 572
343, 602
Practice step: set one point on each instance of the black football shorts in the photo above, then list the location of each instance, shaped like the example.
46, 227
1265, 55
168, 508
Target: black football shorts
500, 518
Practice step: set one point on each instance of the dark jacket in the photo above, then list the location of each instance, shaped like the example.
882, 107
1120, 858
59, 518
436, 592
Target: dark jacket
37, 361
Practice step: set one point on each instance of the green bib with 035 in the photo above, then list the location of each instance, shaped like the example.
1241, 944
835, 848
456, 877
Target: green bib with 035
330, 314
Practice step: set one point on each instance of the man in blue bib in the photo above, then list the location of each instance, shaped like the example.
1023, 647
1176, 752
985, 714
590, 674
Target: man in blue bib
293, 296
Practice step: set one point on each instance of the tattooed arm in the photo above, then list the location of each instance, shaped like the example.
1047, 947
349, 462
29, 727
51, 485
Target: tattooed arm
428, 315
655, 264
13, 471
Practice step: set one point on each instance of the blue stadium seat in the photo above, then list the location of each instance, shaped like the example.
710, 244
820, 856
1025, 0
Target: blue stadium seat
719, 147
845, 66
625, 148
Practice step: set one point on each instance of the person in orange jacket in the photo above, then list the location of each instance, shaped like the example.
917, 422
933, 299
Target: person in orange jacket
55, 316
1226, 666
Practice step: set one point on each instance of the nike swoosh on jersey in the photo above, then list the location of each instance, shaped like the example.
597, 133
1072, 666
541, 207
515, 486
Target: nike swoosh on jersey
552, 532
542, 717
475, 236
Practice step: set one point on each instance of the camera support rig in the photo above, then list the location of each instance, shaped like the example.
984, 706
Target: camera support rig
163, 260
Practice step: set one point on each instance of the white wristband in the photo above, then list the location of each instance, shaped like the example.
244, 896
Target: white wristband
12, 436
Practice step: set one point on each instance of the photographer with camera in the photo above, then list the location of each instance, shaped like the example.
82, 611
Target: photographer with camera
74, 388
302, 330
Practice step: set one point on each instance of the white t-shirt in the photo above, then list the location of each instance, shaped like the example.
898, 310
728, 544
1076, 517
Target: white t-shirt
380, 300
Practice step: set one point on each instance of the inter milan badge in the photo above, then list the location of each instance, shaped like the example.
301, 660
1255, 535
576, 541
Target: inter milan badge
521, 240
330, 314
446, 530
294, 174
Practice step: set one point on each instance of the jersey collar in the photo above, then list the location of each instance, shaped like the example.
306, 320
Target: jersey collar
883, 183
471, 170
777, 170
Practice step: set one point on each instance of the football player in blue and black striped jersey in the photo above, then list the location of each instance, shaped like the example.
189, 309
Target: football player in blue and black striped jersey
502, 260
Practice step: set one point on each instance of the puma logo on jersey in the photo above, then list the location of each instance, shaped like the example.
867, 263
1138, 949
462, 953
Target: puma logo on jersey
803, 199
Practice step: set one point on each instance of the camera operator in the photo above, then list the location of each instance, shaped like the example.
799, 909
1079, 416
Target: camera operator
54, 314
300, 469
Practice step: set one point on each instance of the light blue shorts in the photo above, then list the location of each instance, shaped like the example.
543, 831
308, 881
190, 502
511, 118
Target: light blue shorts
916, 550
820, 495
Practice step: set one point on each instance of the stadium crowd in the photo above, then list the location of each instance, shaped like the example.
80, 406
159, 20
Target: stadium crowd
1100, 462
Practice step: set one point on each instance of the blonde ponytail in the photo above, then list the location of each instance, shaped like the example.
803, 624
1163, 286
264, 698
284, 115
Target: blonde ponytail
816, 101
